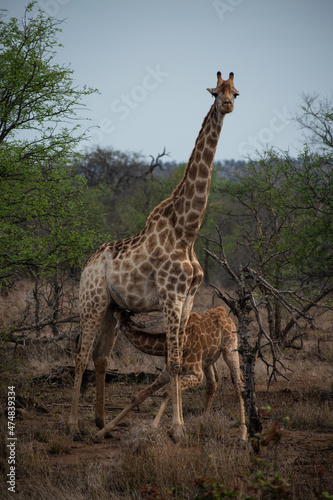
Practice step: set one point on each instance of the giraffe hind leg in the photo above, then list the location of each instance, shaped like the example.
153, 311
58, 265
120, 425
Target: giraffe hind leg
81, 361
212, 379
101, 355
90, 320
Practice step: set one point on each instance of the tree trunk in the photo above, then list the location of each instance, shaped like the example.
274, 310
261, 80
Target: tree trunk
35, 293
55, 305
270, 317
277, 320
248, 354
277, 308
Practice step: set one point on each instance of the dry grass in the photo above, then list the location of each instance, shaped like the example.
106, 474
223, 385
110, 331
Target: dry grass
50, 466
157, 460
138, 457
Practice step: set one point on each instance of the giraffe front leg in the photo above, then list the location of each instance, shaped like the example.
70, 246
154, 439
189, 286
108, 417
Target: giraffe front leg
191, 379
177, 421
175, 336
161, 381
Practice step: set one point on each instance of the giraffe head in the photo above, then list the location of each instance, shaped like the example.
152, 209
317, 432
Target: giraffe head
224, 93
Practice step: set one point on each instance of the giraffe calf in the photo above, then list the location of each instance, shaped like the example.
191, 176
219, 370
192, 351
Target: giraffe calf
206, 337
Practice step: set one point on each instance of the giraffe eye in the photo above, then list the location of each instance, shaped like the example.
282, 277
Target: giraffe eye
235, 95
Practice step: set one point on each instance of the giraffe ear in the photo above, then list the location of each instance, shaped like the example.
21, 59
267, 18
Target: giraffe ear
213, 92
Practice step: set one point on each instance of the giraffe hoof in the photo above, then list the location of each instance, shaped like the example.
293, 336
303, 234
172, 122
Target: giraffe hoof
77, 437
109, 435
97, 439
242, 443
177, 434
99, 422
99, 436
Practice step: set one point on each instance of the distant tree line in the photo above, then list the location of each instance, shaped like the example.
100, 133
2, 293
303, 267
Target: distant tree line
272, 213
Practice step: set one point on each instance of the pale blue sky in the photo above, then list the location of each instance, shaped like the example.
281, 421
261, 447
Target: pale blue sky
152, 61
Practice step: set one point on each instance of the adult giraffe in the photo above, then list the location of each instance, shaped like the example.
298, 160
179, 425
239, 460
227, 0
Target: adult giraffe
154, 270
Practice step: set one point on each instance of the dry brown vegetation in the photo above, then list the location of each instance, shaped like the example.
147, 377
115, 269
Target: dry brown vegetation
50, 466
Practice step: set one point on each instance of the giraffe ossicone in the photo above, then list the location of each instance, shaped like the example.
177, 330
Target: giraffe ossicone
206, 337
155, 270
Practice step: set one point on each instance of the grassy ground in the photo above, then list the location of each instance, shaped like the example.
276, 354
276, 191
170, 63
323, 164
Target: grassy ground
49, 465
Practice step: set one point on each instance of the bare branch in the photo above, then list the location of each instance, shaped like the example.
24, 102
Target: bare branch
224, 263
278, 294
262, 332
44, 323
306, 309
155, 162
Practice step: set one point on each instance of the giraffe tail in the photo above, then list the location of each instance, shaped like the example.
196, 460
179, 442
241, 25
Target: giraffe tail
78, 343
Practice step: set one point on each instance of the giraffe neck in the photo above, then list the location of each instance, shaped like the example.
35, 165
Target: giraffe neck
148, 342
191, 195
